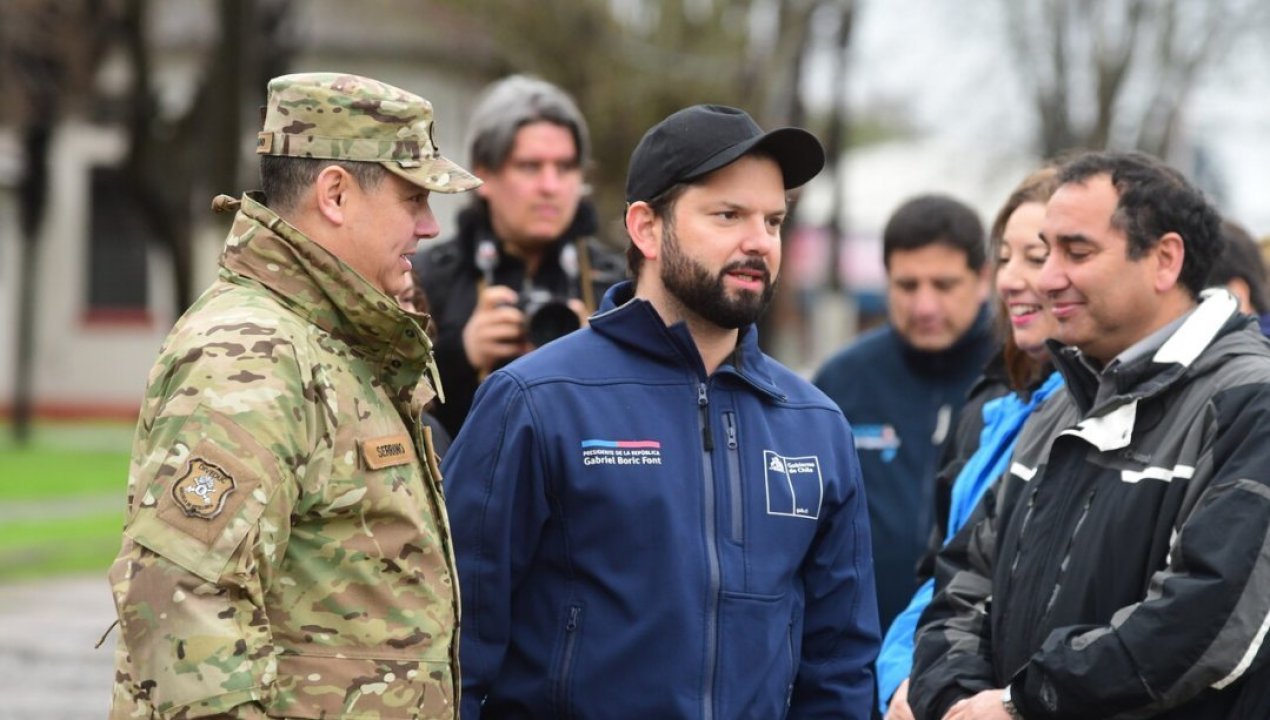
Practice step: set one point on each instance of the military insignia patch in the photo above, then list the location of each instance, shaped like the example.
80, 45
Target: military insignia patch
202, 490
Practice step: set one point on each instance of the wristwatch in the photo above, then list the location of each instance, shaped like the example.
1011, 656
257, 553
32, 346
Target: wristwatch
1007, 702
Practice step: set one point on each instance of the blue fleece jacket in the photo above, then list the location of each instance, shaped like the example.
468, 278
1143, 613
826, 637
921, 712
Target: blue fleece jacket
901, 403
638, 539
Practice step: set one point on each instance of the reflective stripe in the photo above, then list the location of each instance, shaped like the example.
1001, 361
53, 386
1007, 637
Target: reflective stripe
1185, 472
1022, 471
1249, 654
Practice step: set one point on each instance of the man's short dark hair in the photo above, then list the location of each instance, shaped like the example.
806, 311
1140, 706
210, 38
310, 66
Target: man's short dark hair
935, 219
1241, 259
284, 179
1155, 199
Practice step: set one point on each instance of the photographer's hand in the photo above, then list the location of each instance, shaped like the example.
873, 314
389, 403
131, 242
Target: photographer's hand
496, 331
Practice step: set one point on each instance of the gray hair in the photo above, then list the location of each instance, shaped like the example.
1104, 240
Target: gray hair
512, 103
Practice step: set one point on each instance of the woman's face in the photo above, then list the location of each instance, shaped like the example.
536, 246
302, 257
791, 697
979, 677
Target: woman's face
1019, 261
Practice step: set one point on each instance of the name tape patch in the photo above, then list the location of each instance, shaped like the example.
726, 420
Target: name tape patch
388, 451
621, 452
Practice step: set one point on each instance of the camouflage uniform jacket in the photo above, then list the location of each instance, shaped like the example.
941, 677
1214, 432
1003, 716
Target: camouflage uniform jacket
286, 551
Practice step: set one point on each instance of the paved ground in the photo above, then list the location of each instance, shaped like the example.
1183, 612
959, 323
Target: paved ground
48, 667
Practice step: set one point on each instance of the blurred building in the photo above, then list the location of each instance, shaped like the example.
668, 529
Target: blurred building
105, 289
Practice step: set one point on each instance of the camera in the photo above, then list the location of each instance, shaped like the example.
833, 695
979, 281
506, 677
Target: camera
547, 316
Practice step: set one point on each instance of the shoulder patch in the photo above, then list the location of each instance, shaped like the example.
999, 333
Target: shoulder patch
202, 490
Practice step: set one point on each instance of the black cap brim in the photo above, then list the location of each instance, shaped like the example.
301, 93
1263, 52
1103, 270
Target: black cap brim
798, 153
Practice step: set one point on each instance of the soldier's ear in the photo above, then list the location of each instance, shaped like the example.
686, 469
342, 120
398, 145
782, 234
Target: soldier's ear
331, 190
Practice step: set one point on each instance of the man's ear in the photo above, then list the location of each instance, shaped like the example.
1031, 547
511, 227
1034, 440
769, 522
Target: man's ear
644, 227
332, 192
1170, 254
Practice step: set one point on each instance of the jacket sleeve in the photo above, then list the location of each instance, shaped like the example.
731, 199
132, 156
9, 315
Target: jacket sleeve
1203, 621
494, 481
208, 522
952, 658
840, 623
895, 660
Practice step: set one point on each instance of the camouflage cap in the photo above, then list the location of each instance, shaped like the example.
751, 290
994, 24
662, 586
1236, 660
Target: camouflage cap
336, 116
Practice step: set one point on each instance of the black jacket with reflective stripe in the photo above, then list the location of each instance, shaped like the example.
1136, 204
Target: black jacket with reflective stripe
1122, 567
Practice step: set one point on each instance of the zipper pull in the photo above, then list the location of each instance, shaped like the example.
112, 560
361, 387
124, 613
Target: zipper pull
573, 619
703, 402
731, 423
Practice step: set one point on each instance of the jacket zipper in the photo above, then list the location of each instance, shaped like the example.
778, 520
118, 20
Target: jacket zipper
712, 555
793, 666
566, 661
734, 478
1067, 555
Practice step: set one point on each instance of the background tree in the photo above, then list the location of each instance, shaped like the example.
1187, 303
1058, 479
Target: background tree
630, 64
1118, 73
49, 53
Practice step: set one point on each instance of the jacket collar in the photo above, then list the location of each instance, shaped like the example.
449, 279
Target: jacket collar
1184, 351
635, 324
316, 285
474, 226
954, 356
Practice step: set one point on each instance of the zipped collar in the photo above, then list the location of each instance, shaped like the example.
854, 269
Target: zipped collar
635, 324
939, 363
321, 288
1184, 352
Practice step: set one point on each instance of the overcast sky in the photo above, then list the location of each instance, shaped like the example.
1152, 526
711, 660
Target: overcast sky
946, 66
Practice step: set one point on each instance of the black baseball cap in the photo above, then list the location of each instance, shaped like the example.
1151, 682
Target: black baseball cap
703, 138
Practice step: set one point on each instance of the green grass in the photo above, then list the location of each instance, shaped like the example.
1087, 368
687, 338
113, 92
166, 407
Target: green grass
37, 473
42, 548
62, 499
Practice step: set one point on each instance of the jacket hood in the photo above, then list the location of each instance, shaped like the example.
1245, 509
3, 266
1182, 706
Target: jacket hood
635, 324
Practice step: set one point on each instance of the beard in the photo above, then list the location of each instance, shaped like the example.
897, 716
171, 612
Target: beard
689, 282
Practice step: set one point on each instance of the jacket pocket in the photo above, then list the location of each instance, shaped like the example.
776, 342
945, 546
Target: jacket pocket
314, 686
562, 695
756, 655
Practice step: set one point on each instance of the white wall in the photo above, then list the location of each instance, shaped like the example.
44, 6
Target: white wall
92, 366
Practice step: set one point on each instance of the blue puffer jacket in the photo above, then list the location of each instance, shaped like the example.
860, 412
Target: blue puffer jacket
636, 539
